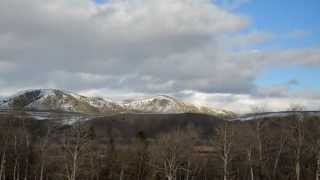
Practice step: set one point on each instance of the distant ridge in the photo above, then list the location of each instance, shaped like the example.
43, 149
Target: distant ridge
265, 115
66, 101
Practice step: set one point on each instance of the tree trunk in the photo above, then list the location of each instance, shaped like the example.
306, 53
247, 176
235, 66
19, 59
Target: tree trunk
299, 148
251, 173
188, 172
260, 149
249, 154
26, 170
75, 164
318, 167
4, 174
170, 177
18, 172
121, 174
225, 154
2, 164
14, 169
16, 159
298, 170
41, 171
225, 170
275, 165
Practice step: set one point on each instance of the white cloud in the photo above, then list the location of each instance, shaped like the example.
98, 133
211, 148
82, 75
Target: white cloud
244, 103
135, 47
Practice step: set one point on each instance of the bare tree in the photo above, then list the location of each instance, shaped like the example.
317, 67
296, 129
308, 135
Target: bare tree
282, 142
43, 147
141, 156
318, 163
16, 174
3, 158
75, 143
2, 164
245, 136
259, 136
223, 144
298, 136
312, 143
170, 152
94, 155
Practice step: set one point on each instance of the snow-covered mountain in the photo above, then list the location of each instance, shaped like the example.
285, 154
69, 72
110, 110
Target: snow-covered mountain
58, 100
167, 104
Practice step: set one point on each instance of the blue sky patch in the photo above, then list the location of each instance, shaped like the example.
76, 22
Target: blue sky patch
285, 18
100, 1
295, 77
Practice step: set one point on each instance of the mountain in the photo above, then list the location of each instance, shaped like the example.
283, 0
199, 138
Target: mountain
167, 104
58, 100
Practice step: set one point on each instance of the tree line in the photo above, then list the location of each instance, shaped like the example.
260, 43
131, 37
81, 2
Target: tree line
278, 148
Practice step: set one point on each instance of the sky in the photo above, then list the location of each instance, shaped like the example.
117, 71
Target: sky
230, 54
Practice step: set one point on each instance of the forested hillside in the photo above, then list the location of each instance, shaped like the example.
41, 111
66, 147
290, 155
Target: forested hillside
168, 147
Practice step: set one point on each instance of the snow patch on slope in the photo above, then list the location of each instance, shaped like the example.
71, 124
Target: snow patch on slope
156, 104
99, 102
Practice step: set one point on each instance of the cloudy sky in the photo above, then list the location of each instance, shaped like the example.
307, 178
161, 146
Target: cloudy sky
232, 54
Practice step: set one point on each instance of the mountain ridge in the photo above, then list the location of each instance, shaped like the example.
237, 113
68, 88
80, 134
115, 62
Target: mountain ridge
67, 101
